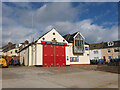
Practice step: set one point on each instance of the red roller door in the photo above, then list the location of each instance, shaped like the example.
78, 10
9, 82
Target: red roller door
60, 56
53, 55
48, 55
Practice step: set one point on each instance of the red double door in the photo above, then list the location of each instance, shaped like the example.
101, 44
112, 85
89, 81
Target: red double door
53, 55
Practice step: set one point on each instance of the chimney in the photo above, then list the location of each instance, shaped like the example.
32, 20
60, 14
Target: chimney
9, 43
26, 42
102, 42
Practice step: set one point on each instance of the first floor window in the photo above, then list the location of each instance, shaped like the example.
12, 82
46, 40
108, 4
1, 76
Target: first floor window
109, 50
96, 58
116, 50
15, 51
96, 52
79, 43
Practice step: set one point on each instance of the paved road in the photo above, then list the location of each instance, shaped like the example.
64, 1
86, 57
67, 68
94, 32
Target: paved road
57, 77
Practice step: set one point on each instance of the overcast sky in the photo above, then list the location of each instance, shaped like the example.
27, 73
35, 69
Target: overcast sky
97, 22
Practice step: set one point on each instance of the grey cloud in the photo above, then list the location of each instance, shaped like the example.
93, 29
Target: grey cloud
58, 15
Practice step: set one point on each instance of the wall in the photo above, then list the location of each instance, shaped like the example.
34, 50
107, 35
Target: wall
21, 56
112, 53
67, 55
8, 53
83, 59
32, 55
49, 37
24, 56
92, 55
39, 54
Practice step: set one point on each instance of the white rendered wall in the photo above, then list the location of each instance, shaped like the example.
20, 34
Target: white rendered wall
92, 55
39, 54
34, 52
49, 37
83, 59
26, 56
67, 55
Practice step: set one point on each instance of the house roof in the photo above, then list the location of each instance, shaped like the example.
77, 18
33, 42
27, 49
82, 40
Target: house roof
44, 34
96, 46
104, 45
26, 46
8, 47
115, 44
36, 40
69, 37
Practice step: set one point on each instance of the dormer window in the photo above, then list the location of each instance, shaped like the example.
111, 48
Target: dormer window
79, 43
110, 43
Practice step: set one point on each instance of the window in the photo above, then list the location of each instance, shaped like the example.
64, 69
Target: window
15, 51
96, 58
110, 43
11, 52
96, 52
79, 43
53, 38
43, 38
109, 50
116, 50
94, 46
63, 40
53, 33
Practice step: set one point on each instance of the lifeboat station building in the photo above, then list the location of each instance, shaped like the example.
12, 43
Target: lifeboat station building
52, 50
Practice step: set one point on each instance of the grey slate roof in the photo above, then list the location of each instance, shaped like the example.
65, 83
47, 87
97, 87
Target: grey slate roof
104, 45
7, 47
69, 38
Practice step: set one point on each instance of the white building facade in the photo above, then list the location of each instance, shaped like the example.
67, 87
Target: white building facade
52, 49
95, 54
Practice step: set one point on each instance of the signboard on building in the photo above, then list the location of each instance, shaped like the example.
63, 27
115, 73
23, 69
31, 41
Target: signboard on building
74, 59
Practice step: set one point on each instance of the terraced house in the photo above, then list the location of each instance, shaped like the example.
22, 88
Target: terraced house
10, 49
105, 50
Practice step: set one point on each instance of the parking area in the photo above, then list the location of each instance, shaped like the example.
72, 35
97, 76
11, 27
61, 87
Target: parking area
77, 76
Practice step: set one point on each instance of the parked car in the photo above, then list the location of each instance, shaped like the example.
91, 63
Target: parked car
3, 63
101, 60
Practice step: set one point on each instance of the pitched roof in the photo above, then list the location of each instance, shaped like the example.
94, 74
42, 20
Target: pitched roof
44, 34
116, 44
7, 47
96, 46
69, 37
36, 40
104, 45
